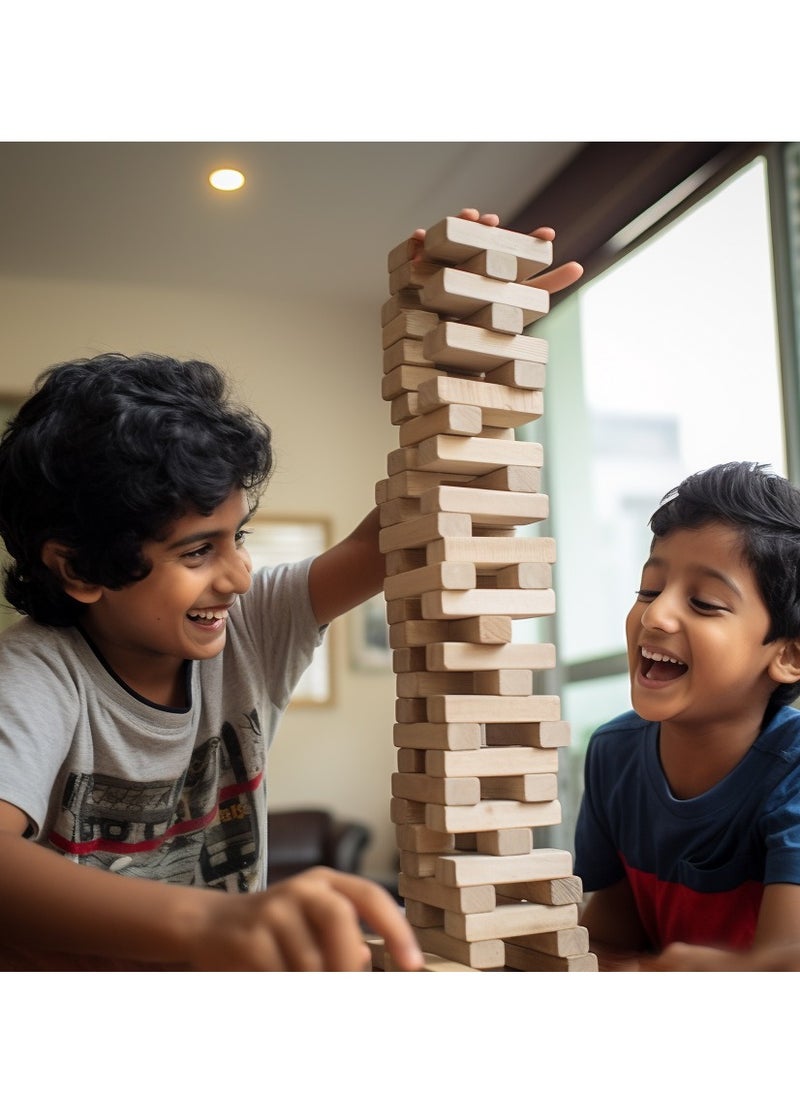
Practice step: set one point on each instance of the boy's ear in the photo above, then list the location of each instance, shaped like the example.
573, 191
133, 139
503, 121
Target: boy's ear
55, 557
785, 665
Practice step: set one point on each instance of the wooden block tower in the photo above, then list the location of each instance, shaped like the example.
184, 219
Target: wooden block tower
477, 745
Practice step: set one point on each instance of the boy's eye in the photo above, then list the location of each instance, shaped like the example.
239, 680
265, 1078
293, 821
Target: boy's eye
242, 534
197, 553
706, 606
647, 595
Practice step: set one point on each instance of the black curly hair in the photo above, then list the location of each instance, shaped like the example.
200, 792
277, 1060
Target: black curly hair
106, 454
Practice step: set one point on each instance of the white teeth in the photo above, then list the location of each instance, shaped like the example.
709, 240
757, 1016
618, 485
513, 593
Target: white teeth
655, 656
209, 614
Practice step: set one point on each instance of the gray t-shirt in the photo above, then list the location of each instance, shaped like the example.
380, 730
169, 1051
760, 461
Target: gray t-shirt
110, 779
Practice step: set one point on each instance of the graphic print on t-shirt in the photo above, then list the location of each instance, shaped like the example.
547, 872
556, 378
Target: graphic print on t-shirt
203, 827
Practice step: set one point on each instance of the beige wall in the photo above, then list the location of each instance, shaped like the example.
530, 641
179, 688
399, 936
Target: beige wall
313, 372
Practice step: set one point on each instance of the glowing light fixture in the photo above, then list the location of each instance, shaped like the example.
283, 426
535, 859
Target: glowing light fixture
226, 178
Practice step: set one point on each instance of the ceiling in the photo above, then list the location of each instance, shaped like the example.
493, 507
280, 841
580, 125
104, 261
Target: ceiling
313, 218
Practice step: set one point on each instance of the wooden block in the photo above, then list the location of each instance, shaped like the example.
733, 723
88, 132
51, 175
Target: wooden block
505, 843
552, 892
405, 352
517, 604
511, 478
410, 760
395, 511
530, 788
418, 633
412, 275
481, 955
480, 656
397, 303
546, 734
517, 374
412, 323
413, 534
470, 869
459, 791
486, 507
473, 349
462, 900
460, 293
499, 433
405, 378
407, 812
506, 318
455, 418
489, 553
408, 660
525, 576
411, 483
444, 576
416, 838
378, 953
515, 681
475, 455
572, 941
487, 761
501, 405
492, 709
487, 628
410, 709
405, 608
427, 684
518, 958
423, 916
404, 407
492, 264
455, 240
405, 559
438, 736
404, 252
435, 964
517, 920
491, 814
418, 865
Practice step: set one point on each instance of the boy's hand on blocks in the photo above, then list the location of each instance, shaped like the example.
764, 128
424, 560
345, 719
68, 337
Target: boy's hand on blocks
309, 922
561, 277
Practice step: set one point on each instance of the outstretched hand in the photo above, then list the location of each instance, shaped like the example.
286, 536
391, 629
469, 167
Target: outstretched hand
561, 277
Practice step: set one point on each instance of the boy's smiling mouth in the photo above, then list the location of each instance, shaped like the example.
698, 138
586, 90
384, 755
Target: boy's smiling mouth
658, 666
209, 617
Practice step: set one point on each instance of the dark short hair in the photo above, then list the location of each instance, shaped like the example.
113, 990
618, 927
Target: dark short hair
764, 509
106, 454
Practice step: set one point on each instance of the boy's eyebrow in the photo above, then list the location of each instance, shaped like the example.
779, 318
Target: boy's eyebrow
206, 534
710, 572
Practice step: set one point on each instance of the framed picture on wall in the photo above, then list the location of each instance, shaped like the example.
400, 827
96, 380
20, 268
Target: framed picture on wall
277, 539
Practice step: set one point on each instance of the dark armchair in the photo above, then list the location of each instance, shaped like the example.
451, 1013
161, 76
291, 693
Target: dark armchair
305, 837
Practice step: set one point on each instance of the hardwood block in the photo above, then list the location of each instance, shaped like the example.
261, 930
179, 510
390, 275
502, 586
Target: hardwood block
486, 628
505, 318
418, 865
455, 418
428, 684
410, 760
511, 478
462, 900
460, 293
395, 511
416, 838
473, 349
519, 958
517, 842
408, 660
405, 559
517, 374
572, 941
480, 656
525, 576
436, 576
513, 681
492, 264
412, 323
470, 869
407, 812
406, 378
552, 892
409, 709
438, 736
411, 483
412, 275
456, 240
490, 553
491, 814
404, 407
404, 252
405, 352
401, 460
488, 761
492, 709
418, 633
401, 609
517, 604
530, 788
459, 791
506, 921
423, 916
481, 955
475, 455
397, 303
413, 534
501, 405
486, 507
547, 734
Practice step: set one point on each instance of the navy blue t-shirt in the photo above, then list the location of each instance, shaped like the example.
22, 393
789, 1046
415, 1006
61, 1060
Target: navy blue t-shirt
698, 866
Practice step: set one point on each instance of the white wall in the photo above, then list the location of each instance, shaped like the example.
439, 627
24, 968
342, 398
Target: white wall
313, 372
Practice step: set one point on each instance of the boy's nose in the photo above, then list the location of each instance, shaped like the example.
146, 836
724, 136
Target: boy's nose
659, 614
233, 575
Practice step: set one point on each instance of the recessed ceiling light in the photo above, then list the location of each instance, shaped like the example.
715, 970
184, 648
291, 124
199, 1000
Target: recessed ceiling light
226, 178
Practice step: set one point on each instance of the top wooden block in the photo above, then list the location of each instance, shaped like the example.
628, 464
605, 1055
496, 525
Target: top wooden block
455, 240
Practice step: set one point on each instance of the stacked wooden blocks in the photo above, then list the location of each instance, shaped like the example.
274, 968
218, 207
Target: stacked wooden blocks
477, 747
